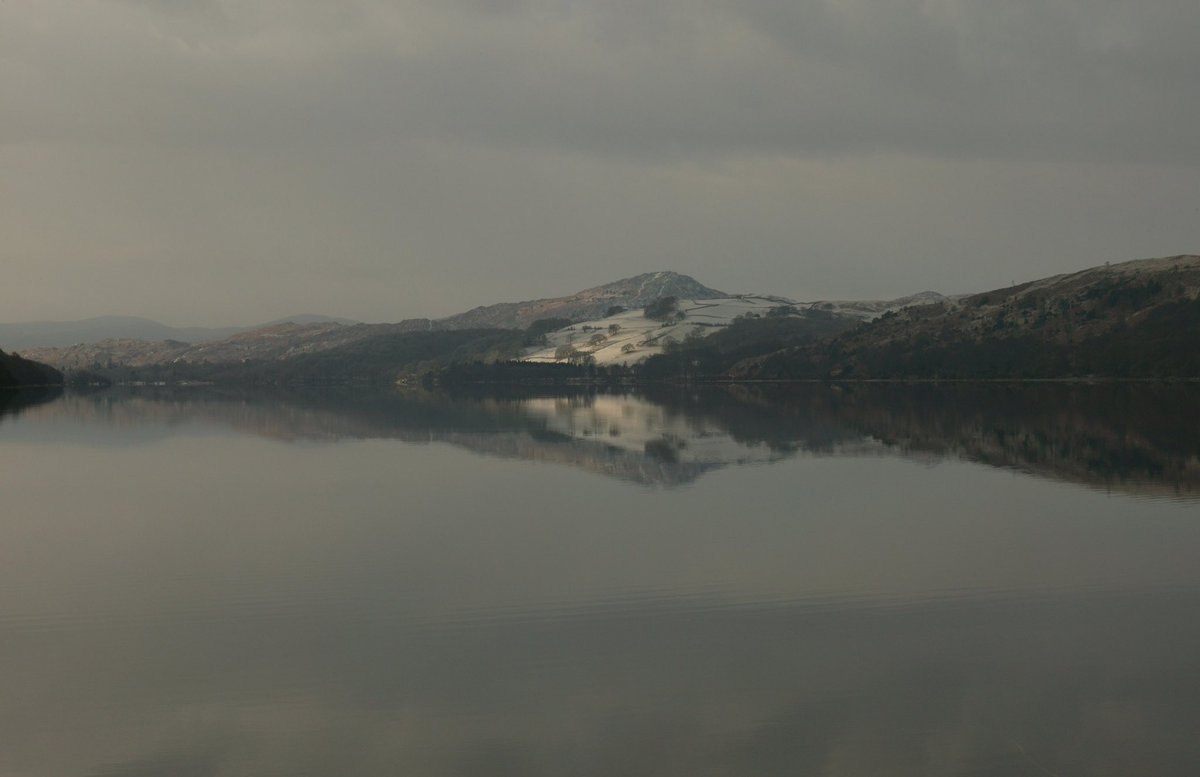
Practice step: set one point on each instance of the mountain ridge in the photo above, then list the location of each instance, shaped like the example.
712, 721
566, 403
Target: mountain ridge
290, 340
60, 334
1139, 318
1133, 319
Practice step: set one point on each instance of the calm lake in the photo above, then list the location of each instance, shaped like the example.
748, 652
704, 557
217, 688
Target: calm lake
853, 582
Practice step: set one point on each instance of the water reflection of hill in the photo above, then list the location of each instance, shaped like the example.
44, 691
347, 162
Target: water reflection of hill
14, 401
550, 430
1135, 438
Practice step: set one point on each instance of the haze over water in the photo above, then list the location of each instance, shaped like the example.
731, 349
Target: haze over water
873, 580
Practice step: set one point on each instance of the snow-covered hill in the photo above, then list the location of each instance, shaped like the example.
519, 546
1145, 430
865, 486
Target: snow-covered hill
635, 292
629, 337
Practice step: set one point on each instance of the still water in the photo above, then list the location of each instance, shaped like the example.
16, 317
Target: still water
853, 581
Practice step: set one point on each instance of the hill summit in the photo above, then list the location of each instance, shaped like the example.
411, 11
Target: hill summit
635, 292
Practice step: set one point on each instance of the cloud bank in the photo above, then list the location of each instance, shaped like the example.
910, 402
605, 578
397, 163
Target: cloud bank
219, 161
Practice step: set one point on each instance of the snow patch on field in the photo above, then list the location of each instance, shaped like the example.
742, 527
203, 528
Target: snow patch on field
642, 428
630, 337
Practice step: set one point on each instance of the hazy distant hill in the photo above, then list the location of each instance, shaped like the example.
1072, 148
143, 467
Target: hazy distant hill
306, 335
1137, 319
268, 343
60, 334
1133, 319
303, 318
57, 334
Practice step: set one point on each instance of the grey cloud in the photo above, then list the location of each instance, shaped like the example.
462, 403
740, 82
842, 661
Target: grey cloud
391, 159
639, 80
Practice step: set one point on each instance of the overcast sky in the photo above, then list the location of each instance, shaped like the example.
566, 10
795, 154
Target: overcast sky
231, 161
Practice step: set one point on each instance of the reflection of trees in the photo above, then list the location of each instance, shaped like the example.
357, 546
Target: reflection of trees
15, 401
1127, 436
1132, 437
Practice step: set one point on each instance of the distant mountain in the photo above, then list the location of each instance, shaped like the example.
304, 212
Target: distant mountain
269, 343
304, 318
302, 336
304, 347
1137, 319
635, 292
60, 334
289, 353
16, 372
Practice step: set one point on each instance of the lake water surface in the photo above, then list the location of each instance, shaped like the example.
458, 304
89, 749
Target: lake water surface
853, 581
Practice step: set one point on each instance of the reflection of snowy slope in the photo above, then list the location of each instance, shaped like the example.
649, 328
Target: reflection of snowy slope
591, 455
637, 426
